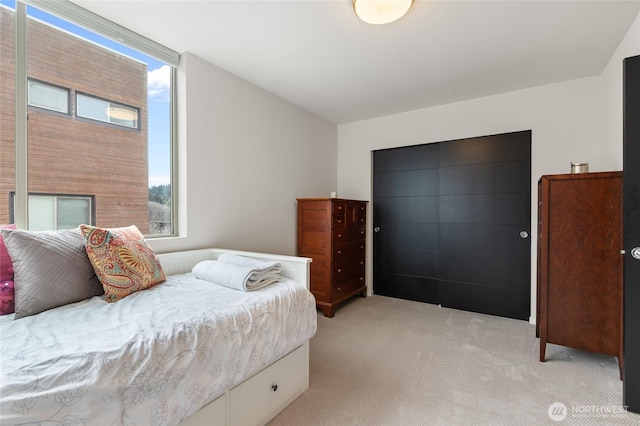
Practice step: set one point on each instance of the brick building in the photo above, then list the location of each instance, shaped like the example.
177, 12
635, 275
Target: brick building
87, 129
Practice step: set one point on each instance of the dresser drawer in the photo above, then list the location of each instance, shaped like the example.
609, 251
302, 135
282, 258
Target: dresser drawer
347, 286
338, 221
348, 269
348, 234
362, 209
263, 394
348, 250
338, 206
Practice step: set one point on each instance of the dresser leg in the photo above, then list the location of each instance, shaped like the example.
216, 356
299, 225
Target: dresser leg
543, 349
327, 311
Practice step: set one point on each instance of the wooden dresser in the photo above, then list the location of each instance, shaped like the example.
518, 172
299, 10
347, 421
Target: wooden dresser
579, 280
332, 232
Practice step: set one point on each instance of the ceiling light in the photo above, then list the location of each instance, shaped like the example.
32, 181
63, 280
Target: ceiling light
381, 11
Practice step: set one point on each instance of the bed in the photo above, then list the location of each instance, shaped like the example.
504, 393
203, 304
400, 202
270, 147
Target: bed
164, 356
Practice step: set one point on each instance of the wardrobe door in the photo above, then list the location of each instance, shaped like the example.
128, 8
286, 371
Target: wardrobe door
452, 222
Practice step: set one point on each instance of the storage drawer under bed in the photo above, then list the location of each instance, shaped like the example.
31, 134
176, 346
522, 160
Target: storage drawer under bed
259, 398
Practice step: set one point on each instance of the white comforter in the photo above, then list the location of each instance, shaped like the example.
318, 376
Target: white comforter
152, 358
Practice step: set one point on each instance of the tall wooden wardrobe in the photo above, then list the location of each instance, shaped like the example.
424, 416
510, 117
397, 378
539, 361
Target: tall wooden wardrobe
580, 263
332, 232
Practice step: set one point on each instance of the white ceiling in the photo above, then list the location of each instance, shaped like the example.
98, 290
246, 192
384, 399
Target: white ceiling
321, 57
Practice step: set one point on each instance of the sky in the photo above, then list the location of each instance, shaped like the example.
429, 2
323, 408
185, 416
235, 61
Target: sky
158, 87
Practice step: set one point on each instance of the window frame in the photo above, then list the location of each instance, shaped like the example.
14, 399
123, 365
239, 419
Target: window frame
73, 13
90, 198
109, 104
53, 86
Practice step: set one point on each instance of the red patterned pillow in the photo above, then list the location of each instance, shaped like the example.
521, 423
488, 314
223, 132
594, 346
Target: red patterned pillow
122, 260
7, 297
6, 277
6, 266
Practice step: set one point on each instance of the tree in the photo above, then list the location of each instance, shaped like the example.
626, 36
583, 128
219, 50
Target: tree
160, 194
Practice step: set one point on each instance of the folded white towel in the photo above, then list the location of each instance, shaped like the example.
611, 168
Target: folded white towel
238, 272
255, 264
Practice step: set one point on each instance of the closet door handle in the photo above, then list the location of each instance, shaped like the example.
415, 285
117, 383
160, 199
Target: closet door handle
635, 252
524, 234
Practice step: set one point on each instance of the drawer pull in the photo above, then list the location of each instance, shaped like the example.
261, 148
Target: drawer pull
362, 262
339, 251
339, 235
274, 387
339, 270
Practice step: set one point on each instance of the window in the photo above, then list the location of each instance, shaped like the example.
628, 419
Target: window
47, 96
51, 211
109, 112
73, 66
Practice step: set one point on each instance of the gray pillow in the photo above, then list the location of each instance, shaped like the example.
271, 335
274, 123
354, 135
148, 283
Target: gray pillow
51, 269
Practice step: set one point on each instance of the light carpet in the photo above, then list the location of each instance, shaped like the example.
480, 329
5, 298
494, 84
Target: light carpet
385, 361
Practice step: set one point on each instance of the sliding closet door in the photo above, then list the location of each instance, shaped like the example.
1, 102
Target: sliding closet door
485, 220
405, 217
452, 223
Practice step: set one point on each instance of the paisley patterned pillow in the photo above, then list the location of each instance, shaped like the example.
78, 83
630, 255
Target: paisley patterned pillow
122, 259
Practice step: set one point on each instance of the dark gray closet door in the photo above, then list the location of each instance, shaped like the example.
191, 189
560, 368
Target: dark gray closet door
453, 221
405, 218
631, 184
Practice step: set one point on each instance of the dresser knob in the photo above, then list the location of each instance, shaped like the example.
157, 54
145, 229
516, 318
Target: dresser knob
274, 387
361, 278
339, 270
339, 251
339, 235
362, 262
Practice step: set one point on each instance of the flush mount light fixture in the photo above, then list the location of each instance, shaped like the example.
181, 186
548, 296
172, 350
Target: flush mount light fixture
381, 11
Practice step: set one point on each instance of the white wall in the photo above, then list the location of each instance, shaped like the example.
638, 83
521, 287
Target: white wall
567, 120
612, 94
245, 156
